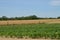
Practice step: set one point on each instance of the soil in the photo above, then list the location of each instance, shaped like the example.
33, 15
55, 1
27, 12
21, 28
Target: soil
24, 39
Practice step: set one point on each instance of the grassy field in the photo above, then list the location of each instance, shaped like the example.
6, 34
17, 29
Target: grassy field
31, 31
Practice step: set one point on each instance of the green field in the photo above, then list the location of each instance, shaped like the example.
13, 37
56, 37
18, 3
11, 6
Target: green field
31, 31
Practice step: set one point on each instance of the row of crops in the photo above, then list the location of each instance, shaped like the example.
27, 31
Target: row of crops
31, 31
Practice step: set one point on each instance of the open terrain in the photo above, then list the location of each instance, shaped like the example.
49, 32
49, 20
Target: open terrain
43, 29
34, 31
29, 21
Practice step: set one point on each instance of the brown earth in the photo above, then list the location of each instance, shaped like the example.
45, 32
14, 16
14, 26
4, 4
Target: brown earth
29, 21
1, 38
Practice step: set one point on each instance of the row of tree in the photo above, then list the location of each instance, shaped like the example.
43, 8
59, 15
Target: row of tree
32, 17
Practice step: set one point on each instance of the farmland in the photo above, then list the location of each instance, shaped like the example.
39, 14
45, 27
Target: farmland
8, 22
31, 31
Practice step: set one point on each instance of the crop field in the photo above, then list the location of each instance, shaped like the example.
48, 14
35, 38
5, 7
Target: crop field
8, 22
51, 31
30, 29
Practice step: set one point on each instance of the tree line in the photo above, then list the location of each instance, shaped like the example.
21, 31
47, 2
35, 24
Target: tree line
32, 17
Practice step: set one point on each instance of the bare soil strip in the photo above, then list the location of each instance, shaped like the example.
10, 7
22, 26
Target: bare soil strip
24, 39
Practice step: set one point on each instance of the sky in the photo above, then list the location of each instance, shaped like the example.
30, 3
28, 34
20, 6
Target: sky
40, 8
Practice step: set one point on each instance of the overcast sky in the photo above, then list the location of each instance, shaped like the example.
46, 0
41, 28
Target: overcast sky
41, 8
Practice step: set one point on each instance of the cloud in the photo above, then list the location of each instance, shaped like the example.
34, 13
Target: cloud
55, 3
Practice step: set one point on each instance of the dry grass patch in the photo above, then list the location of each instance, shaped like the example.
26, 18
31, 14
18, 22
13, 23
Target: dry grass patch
29, 21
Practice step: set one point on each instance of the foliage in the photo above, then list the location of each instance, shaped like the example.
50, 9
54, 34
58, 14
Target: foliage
58, 17
31, 31
19, 18
32, 17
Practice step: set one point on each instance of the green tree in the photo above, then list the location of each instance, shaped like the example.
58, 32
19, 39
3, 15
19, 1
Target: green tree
4, 18
58, 17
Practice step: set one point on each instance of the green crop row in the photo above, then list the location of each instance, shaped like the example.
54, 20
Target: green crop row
31, 31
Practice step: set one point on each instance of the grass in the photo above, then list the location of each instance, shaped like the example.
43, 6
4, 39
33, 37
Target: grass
31, 31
